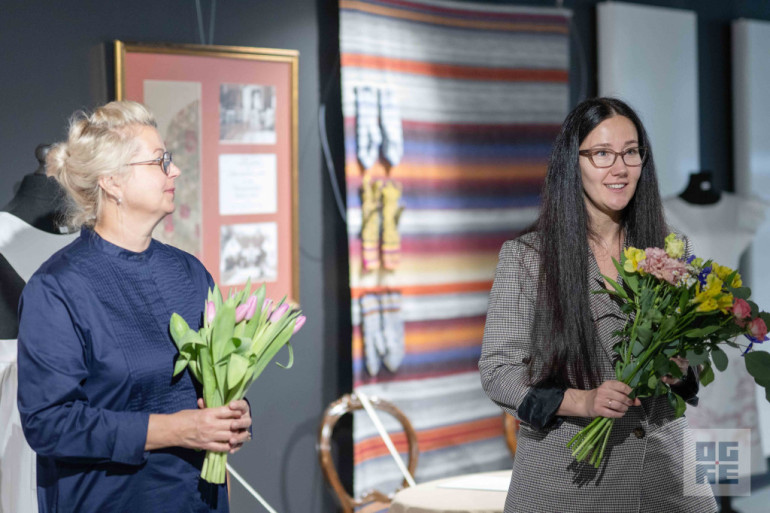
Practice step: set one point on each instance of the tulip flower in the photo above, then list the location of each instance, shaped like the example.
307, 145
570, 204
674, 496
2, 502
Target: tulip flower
240, 312
252, 307
279, 312
232, 349
300, 322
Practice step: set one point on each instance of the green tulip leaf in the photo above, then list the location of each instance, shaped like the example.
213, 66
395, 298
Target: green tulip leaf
179, 328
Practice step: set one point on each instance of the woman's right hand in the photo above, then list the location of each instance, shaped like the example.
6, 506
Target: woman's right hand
610, 400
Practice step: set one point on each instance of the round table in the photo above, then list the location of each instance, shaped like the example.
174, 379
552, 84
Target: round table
438, 497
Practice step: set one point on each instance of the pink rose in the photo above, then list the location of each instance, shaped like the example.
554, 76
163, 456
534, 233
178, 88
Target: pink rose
741, 310
663, 267
757, 329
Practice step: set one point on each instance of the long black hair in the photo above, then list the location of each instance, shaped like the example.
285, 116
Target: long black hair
566, 355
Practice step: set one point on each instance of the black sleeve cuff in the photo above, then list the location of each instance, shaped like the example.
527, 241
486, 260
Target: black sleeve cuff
688, 388
539, 407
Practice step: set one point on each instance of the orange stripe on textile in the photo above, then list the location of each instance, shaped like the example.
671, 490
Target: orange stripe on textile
455, 173
432, 439
433, 69
427, 290
452, 22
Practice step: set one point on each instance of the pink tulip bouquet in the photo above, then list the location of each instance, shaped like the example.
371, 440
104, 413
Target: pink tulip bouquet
676, 307
239, 337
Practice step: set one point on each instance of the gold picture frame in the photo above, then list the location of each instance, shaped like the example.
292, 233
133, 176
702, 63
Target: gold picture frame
231, 114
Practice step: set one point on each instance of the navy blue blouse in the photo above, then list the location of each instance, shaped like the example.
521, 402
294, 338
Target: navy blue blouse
95, 360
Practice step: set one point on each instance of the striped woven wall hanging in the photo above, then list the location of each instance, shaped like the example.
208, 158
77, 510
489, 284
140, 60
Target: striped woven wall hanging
450, 110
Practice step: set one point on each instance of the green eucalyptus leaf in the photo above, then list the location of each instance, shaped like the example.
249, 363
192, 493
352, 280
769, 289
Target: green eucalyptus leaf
706, 375
719, 358
661, 365
741, 292
697, 356
644, 332
758, 365
674, 369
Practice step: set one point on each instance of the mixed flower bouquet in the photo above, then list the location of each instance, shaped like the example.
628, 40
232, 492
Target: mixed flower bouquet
675, 307
232, 349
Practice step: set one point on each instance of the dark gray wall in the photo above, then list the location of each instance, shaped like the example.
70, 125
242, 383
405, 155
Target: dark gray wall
56, 58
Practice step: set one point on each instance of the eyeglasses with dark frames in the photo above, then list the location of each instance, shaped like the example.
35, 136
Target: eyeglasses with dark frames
604, 157
164, 162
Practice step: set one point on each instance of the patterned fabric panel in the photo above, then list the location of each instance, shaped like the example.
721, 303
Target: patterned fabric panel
480, 91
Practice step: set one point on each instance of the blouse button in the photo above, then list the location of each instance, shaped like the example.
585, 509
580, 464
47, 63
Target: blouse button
639, 432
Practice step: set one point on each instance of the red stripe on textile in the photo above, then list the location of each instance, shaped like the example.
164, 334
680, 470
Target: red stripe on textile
453, 71
432, 439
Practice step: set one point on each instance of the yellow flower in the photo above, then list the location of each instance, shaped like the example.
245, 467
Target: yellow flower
674, 246
723, 272
697, 262
725, 303
633, 257
708, 294
708, 305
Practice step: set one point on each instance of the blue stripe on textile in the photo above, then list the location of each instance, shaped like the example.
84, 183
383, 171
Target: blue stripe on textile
430, 360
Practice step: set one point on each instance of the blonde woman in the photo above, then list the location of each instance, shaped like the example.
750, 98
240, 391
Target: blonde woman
112, 430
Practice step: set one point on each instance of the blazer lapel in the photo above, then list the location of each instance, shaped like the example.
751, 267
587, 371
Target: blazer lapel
605, 311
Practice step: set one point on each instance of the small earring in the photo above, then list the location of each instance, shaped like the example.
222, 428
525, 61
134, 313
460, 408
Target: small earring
120, 200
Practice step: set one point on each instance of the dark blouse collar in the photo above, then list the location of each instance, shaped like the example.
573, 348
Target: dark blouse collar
97, 242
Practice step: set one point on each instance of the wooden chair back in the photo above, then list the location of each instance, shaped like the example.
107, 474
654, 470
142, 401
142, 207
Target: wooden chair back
346, 404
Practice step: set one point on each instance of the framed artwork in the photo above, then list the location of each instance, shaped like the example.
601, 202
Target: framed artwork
229, 117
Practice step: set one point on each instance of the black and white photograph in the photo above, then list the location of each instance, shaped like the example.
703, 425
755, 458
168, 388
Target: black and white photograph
248, 251
247, 114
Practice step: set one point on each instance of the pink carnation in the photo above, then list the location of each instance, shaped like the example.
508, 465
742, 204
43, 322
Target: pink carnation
758, 329
663, 267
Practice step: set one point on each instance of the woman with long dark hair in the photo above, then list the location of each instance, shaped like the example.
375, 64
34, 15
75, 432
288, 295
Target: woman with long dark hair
547, 356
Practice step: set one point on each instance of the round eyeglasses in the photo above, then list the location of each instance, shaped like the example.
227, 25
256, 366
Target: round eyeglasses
164, 162
603, 157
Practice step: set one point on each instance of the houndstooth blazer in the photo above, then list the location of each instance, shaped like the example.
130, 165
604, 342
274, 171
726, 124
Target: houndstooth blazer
644, 460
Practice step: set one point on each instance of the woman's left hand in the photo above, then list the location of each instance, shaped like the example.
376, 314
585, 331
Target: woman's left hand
239, 427
683, 365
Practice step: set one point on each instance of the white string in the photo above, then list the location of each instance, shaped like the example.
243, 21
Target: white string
251, 490
385, 437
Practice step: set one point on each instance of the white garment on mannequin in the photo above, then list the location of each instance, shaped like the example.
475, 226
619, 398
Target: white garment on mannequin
25, 248
722, 231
